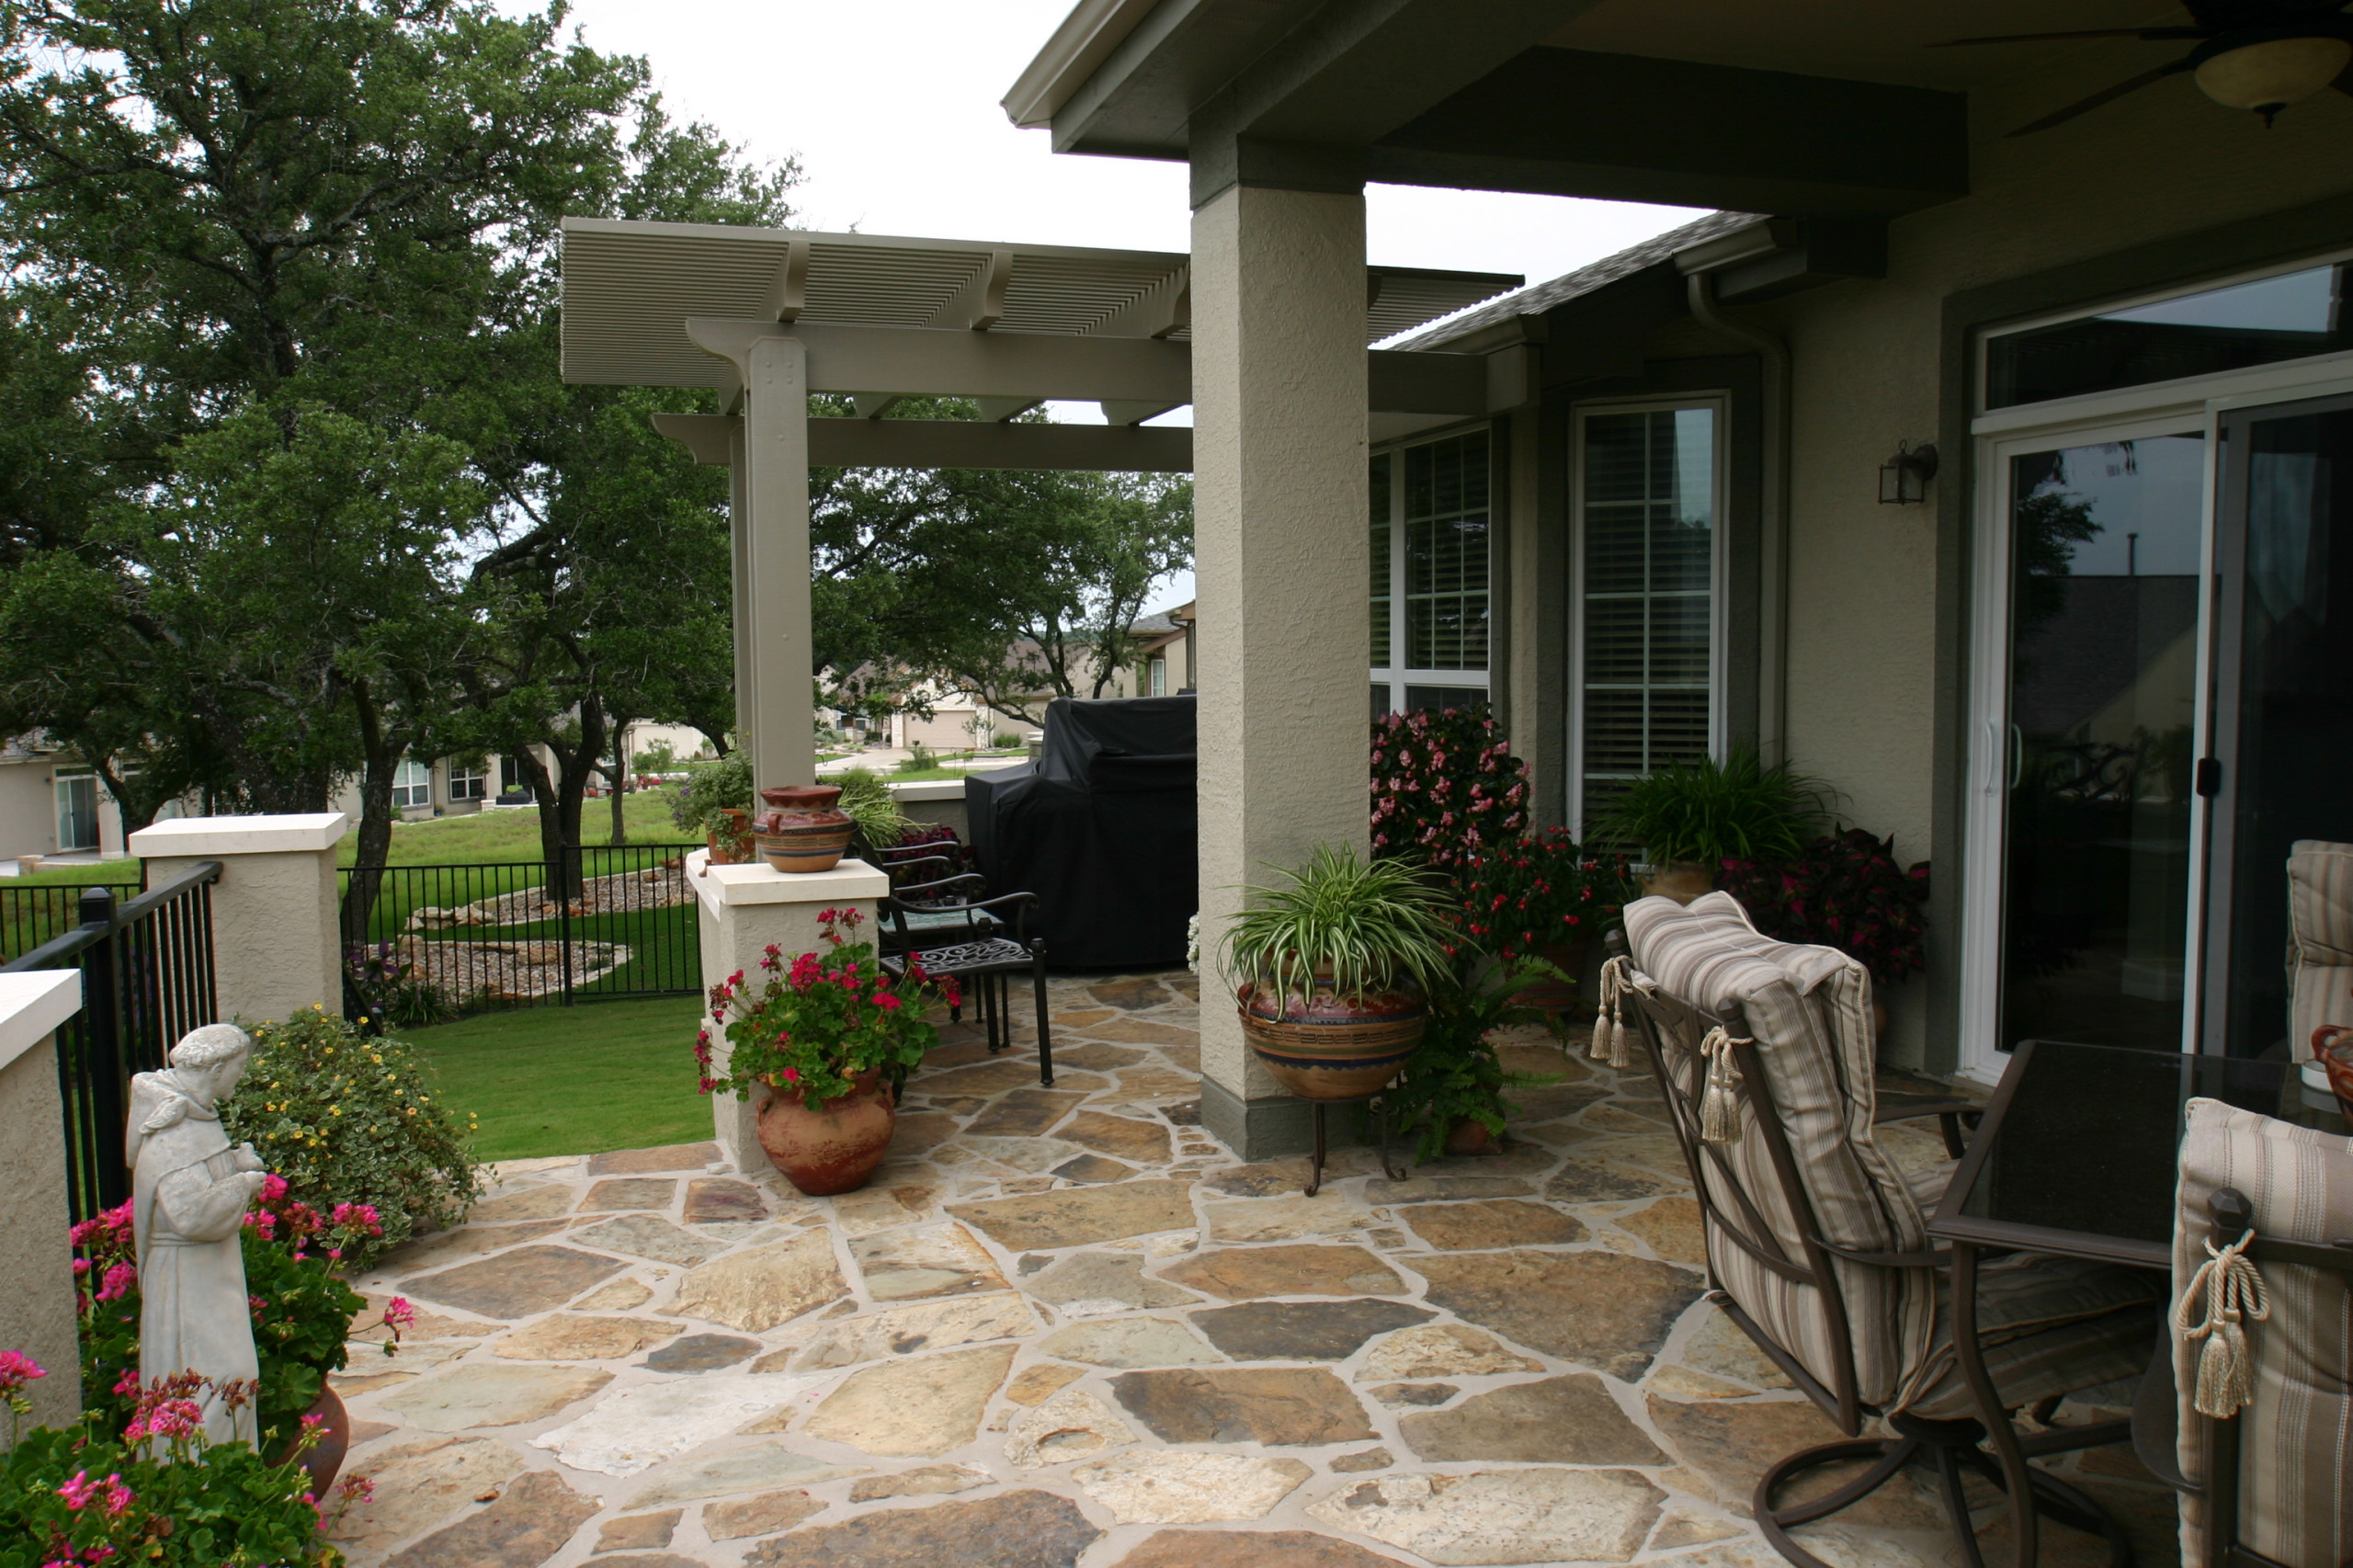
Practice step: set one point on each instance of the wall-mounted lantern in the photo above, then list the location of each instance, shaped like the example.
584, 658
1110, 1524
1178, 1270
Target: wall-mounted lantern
1903, 478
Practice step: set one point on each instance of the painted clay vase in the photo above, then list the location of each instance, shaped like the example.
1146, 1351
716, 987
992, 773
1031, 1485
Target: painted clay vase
801, 830
325, 1461
1328, 1047
832, 1150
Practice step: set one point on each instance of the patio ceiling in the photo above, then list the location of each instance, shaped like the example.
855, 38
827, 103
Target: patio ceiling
629, 290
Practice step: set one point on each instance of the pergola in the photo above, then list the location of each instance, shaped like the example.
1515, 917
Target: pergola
764, 317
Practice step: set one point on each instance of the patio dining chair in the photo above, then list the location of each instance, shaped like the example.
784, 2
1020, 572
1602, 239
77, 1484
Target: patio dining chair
981, 943
2248, 1411
1817, 1246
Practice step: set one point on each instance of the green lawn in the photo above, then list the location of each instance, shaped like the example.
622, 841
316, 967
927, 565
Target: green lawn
507, 835
572, 1080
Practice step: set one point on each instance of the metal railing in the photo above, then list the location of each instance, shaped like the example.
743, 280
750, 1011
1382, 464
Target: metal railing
438, 940
31, 913
146, 966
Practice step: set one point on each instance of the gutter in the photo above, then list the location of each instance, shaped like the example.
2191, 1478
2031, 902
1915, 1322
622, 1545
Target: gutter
1086, 39
1772, 619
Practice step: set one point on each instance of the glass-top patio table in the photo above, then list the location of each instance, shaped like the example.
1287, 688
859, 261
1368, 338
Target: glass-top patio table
2076, 1156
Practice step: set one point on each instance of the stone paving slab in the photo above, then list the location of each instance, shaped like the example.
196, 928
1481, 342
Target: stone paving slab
1067, 1329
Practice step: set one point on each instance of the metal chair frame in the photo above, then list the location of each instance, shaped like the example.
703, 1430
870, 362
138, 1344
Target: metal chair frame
2156, 1413
1950, 1446
990, 990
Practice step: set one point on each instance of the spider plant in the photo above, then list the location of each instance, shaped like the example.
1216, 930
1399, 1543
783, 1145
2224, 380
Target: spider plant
1365, 925
1704, 813
867, 801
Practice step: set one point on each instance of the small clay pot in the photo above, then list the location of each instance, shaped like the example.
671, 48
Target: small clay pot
730, 843
1683, 880
833, 1150
1557, 996
801, 831
1332, 1048
324, 1461
1468, 1137
2333, 1048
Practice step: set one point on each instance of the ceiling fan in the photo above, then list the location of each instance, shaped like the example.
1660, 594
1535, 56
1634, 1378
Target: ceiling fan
2253, 54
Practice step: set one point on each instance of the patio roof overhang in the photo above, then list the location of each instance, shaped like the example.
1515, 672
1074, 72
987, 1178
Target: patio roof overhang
882, 317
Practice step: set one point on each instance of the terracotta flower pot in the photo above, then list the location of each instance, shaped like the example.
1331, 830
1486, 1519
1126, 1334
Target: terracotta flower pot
324, 1461
1468, 1137
731, 845
801, 831
833, 1150
1332, 1048
1682, 880
1557, 996
2333, 1048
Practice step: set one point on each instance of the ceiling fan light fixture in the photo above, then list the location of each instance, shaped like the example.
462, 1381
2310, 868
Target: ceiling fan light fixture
2268, 76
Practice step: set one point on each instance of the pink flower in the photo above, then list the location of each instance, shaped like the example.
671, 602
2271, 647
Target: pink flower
273, 1188
356, 1488
118, 1497
791, 1075
121, 1276
885, 1001
16, 1369
78, 1491
398, 1313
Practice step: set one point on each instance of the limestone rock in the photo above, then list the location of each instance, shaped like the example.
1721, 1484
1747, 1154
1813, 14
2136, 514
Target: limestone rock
1028, 1113
647, 1235
1671, 1377
764, 1515
1013, 1529
1265, 1404
924, 1481
1285, 1217
493, 1396
1123, 1137
1494, 1222
1441, 1350
639, 1532
1689, 1529
1159, 1487
927, 1325
1035, 1385
635, 1162
1604, 1181
1130, 1342
1368, 1459
1603, 1309
754, 1469
719, 1201
1131, 993
1731, 1444
1094, 1168
1092, 1056
628, 1192
1250, 1549
755, 1291
882, 1208
529, 1523
700, 1353
1399, 1396
915, 1408
467, 1241
565, 1336
419, 1483
1030, 1155
519, 1283
1671, 1226
1425, 1188
618, 1296
929, 1260
542, 1201
1304, 1331
637, 1428
1719, 1350
1082, 1216
1501, 1517
1072, 1425
1569, 1420
1241, 1274
1114, 1277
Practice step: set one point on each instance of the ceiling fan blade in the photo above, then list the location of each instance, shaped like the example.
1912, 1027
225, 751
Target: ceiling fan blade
2107, 95
2094, 32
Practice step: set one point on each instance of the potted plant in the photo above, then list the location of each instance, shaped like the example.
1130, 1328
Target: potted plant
875, 817
1539, 896
716, 802
1452, 1089
1686, 818
1330, 972
1843, 891
822, 1044
1444, 784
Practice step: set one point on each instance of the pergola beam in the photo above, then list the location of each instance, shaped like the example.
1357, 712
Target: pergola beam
954, 443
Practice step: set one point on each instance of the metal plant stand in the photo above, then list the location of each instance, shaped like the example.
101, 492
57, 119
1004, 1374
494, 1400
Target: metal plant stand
1379, 1101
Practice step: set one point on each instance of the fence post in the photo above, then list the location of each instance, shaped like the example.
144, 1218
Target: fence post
106, 1068
37, 1308
567, 875
277, 923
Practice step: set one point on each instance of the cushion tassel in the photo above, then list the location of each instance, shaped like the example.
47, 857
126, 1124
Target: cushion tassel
2234, 1296
1605, 1046
1720, 1100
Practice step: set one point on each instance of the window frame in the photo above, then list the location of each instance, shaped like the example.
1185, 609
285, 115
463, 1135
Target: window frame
1719, 573
466, 782
1399, 678
402, 784
66, 781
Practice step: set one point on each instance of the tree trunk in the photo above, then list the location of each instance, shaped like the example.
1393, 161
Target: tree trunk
374, 847
560, 799
618, 778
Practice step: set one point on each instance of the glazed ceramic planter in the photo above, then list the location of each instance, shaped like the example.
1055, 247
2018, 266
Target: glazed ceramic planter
801, 831
1332, 1048
833, 1150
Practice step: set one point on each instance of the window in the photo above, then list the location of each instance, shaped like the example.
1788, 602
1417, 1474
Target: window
1428, 536
412, 785
469, 780
77, 810
2286, 316
1159, 675
1648, 552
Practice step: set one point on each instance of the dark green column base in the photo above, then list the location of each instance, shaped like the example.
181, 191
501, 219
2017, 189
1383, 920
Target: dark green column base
1273, 1126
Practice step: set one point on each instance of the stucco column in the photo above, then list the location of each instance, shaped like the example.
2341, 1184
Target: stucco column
275, 944
742, 909
1280, 496
780, 727
36, 1264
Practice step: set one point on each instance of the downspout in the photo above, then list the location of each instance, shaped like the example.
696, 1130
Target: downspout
1773, 530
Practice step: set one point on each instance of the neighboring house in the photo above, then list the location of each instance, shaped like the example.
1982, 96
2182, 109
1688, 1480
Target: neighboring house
53, 804
1165, 658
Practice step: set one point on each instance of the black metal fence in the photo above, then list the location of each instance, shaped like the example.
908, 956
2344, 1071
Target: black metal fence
434, 941
34, 912
146, 965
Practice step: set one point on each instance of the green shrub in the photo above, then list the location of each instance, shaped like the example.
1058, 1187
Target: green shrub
919, 758
1707, 811
868, 802
1444, 785
1007, 740
1455, 1075
711, 788
347, 1119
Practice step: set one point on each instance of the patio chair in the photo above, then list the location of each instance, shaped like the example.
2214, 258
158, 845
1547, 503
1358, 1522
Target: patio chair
2319, 945
1817, 1245
980, 943
2248, 1410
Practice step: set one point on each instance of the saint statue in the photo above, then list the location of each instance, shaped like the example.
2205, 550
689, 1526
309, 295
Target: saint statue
190, 1192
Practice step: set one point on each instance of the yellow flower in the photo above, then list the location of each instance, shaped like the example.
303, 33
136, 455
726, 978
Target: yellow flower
335, 1110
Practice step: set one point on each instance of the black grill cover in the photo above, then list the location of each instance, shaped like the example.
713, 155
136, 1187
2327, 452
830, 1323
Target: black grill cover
1101, 827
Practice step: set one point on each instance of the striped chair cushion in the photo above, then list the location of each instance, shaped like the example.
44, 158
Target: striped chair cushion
1809, 1010
2046, 1326
2320, 942
2296, 1439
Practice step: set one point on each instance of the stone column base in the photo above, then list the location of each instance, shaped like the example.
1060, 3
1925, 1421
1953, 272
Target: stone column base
1274, 1125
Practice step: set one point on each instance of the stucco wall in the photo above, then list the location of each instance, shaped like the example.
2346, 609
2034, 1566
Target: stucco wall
36, 1264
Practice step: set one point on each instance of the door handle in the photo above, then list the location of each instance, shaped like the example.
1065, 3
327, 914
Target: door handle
2017, 754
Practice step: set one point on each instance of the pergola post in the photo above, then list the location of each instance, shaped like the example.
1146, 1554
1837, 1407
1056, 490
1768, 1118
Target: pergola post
1281, 560
774, 659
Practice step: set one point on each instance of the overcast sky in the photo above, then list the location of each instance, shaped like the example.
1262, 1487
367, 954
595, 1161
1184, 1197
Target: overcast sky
891, 108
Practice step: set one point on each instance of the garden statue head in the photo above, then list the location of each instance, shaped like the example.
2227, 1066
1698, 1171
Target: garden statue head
208, 1062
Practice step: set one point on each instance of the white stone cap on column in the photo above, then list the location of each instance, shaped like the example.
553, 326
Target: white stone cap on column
762, 883
199, 837
929, 790
33, 1004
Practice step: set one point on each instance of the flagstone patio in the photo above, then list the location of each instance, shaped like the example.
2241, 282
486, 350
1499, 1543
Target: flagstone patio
1064, 1326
